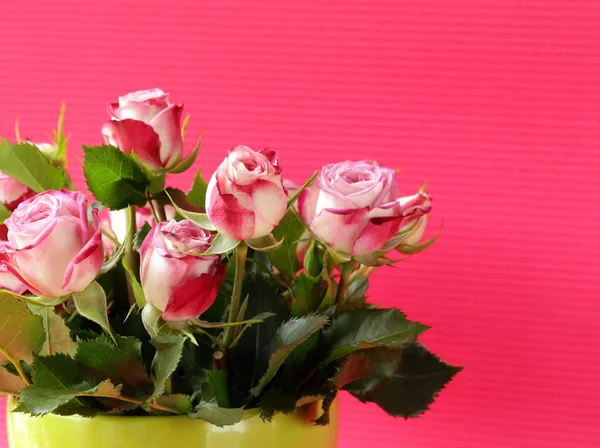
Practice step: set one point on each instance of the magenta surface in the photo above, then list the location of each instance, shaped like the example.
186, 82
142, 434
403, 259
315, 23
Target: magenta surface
494, 103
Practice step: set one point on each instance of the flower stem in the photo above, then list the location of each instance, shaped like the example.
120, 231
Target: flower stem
160, 211
240, 265
131, 257
154, 404
346, 272
15, 362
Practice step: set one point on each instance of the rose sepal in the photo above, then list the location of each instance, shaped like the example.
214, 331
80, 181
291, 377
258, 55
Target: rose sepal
186, 163
267, 243
37, 300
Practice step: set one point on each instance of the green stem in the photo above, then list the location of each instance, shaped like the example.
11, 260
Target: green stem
131, 257
160, 211
154, 404
240, 265
15, 362
346, 272
154, 214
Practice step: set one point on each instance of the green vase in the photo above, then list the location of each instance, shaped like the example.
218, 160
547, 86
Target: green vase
54, 431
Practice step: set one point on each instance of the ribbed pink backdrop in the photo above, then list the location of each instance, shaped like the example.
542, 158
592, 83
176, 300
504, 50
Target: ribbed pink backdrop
494, 103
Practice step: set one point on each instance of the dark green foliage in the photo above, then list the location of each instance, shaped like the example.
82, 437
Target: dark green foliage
409, 390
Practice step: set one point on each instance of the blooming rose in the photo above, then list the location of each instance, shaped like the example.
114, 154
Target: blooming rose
354, 207
245, 198
13, 192
114, 224
8, 280
174, 278
146, 123
52, 246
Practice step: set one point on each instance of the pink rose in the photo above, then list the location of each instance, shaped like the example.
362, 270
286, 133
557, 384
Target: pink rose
52, 246
8, 280
13, 192
174, 278
245, 197
354, 207
146, 123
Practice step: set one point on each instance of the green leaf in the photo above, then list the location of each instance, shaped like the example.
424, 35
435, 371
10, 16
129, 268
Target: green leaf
248, 360
306, 291
114, 259
197, 195
189, 160
91, 304
168, 354
151, 319
275, 401
221, 245
114, 177
21, 332
285, 259
356, 367
414, 385
4, 213
216, 415
139, 237
58, 372
10, 383
366, 328
217, 379
195, 362
383, 363
179, 402
25, 163
58, 337
288, 337
101, 359
40, 401
138, 291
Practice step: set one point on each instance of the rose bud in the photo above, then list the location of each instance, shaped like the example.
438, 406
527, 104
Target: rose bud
8, 280
52, 246
245, 198
175, 279
354, 207
13, 192
146, 123
114, 224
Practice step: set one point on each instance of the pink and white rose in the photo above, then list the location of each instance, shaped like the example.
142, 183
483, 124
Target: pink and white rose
146, 123
8, 280
245, 198
175, 279
355, 207
13, 192
52, 246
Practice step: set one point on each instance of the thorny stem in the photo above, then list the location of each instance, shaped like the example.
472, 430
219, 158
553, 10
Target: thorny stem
346, 271
240, 265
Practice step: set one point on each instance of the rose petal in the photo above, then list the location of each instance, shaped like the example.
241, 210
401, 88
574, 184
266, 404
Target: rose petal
193, 297
339, 228
137, 136
84, 267
167, 124
226, 213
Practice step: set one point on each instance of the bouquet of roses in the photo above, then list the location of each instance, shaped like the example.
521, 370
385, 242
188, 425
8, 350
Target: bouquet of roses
245, 294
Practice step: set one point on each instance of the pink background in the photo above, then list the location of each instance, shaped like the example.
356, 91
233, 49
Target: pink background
494, 103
